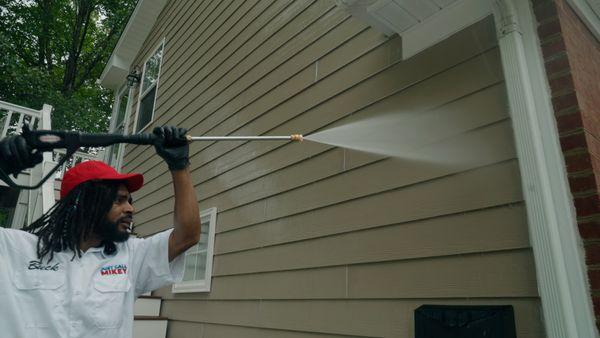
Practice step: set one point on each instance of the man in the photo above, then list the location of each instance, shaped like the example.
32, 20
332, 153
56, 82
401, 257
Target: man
75, 272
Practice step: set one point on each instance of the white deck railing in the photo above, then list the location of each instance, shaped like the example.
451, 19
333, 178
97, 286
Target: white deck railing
13, 117
32, 204
78, 157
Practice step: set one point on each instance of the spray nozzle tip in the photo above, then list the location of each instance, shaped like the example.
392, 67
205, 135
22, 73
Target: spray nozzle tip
297, 137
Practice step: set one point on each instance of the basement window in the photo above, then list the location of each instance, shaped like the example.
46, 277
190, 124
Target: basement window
147, 99
198, 259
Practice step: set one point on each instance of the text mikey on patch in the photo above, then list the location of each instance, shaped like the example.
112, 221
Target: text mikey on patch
118, 269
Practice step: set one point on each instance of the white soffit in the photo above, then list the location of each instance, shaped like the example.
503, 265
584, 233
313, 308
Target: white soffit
420, 23
130, 43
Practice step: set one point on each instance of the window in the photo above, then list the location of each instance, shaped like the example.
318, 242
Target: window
198, 259
150, 78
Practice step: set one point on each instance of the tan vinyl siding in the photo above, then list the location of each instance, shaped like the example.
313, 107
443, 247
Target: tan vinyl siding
319, 241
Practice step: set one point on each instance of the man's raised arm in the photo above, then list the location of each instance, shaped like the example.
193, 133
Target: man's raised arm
187, 216
174, 149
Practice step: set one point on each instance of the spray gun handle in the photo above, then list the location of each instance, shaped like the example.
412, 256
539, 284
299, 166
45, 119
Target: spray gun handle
47, 140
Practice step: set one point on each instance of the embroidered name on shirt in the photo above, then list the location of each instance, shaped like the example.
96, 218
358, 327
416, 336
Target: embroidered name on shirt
119, 269
37, 265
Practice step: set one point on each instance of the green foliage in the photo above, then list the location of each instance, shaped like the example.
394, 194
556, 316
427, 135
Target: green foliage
53, 51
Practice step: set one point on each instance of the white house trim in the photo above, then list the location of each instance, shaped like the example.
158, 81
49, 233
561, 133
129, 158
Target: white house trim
454, 18
131, 42
208, 216
557, 247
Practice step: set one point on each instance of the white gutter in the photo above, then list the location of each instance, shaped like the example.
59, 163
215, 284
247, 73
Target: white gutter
557, 247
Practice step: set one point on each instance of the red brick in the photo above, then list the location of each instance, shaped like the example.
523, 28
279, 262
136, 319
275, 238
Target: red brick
557, 65
583, 183
587, 206
564, 101
537, 3
545, 11
594, 277
595, 160
589, 229
593, 145
596, 302
578, 162
548, 29
592, 253
569, 122
562, 83
573, 141
550, 49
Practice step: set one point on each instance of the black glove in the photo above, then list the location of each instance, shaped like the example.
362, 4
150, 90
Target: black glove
172, 146
16, 155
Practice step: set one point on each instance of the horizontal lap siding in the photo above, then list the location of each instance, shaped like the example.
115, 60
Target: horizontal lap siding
319, 241
362, 318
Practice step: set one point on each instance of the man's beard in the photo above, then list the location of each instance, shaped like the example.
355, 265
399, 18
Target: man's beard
109, 231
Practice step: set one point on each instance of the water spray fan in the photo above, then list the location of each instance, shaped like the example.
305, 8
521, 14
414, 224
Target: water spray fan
48, 140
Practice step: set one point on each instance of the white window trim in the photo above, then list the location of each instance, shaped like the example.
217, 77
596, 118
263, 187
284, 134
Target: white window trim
115, 111
202, 285
160, 45
113, 122
588, 14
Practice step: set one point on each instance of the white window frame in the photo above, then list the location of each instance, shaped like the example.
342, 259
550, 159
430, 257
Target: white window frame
113, 124
589, 12
202, 285
142, 94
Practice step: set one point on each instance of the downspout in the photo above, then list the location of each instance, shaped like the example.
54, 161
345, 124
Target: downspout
557, 247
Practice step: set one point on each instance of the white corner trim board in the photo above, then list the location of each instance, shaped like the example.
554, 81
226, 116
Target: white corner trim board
560, 267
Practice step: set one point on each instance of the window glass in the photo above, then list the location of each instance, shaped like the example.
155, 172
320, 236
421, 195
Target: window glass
148, 89
195, 257
152, 69
146, 109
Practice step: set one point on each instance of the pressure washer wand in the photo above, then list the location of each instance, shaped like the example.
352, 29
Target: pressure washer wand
48, 140
294, 137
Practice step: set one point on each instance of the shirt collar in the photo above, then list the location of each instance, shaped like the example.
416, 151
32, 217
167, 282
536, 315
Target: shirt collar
97, 249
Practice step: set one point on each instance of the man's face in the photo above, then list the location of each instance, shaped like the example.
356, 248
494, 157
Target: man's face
118, 220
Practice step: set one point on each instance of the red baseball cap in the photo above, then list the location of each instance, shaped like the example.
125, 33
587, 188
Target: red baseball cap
97, 170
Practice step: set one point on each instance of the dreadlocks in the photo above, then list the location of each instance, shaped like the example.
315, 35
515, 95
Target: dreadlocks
75, 218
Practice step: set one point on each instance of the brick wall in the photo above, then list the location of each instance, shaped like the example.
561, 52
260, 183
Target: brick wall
572, 61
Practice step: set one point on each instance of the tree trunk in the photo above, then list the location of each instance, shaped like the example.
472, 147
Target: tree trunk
84, 9
46, 18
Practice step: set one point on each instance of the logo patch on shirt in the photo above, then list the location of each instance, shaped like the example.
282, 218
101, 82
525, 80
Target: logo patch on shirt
118, 269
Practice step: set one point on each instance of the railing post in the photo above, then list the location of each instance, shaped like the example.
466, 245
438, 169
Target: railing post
48, 163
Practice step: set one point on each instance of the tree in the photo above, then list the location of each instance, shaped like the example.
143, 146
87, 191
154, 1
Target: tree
53, 51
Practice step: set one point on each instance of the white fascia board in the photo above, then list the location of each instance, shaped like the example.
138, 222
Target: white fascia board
132, 39
443, 24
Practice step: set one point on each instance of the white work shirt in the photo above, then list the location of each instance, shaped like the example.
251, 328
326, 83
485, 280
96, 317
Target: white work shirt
91, 296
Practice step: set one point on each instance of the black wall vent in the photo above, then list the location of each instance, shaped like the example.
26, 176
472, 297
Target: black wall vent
462, 321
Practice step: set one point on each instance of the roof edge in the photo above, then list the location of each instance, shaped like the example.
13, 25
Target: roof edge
130, 42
